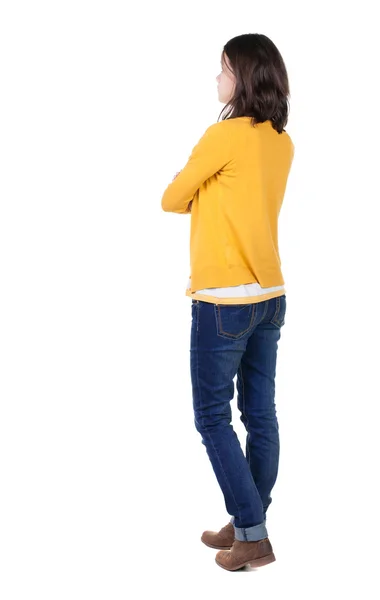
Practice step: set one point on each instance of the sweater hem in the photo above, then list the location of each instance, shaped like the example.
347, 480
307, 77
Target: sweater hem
216, 277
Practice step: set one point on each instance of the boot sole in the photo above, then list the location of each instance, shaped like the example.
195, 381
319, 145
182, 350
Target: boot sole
259, 562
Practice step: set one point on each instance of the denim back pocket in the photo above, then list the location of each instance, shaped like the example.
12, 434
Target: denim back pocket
234, 320
278, 318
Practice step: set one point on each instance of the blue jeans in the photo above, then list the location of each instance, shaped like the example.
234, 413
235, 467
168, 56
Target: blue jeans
238, 340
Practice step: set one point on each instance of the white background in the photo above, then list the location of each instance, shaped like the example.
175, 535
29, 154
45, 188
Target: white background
105, 485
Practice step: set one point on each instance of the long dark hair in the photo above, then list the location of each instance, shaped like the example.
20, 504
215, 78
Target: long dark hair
262, 86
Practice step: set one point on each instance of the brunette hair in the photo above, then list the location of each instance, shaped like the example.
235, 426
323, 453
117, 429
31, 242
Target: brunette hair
262, 86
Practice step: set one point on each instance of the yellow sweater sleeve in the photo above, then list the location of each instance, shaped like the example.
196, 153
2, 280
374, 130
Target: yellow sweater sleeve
208, 157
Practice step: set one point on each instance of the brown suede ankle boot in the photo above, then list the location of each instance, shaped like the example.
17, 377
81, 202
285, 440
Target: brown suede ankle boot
254, 554
222, 539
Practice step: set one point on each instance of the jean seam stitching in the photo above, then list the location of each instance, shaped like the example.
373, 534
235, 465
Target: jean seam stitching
197, 369
274, 321
249, 457
265, 311
243, 392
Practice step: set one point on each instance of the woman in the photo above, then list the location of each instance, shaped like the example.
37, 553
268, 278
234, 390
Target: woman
233, 185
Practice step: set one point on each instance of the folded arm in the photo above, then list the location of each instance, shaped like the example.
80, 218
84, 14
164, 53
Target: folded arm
208, 157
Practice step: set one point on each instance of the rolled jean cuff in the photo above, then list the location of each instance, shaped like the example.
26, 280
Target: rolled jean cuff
250, 534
